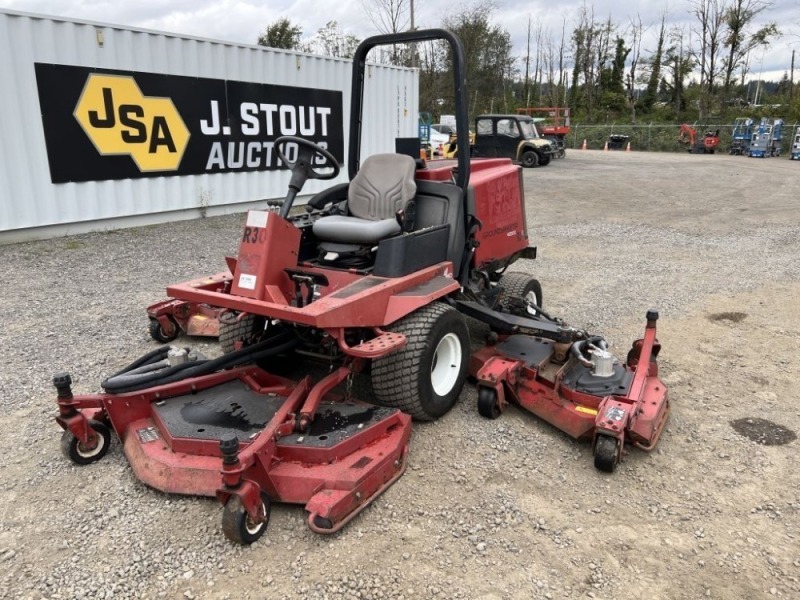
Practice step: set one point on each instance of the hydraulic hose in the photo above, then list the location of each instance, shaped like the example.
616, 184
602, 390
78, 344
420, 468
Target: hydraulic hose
139, 374
578, 347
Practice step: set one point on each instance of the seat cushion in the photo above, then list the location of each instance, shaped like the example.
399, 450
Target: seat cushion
353, 230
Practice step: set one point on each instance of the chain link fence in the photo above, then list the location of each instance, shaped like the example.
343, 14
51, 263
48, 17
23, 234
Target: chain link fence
656, 138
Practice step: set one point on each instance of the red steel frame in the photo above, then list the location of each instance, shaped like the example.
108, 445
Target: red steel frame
638, 417
334, 483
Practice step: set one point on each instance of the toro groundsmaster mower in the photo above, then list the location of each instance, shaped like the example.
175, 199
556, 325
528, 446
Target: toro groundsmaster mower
377, 276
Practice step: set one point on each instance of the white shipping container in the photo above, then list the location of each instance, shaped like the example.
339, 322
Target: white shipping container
33, 206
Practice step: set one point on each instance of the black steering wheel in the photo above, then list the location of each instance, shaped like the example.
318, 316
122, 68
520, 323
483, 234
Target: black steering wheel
306, 153
303, 168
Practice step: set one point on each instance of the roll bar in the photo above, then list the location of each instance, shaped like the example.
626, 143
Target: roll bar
459, 82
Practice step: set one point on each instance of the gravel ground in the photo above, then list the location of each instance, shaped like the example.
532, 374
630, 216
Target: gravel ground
488, 509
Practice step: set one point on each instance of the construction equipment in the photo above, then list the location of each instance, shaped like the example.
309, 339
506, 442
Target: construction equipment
514, 137
741, 136
767, 139
795, 155
707, 144
377, 273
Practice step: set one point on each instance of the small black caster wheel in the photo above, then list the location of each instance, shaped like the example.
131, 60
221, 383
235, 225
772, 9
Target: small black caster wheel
158, 333
488, 406
238, 526
323, 523
605, 453
77, 452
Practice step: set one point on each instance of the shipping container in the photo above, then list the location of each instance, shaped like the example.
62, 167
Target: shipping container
105, 126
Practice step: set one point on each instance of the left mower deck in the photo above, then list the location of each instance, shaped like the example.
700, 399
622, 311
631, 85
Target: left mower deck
235, 435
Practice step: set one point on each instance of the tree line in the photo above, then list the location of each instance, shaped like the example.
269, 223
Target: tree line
598, 67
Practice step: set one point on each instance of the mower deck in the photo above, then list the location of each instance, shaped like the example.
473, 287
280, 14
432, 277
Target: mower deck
627, 404
173, 436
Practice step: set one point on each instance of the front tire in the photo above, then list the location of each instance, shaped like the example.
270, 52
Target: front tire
425, 378
529, 159
544, 160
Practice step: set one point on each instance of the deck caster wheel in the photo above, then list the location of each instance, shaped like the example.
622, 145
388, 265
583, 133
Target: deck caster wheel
238, 526
77, 452
323, 523
158, 334
488, 406
605, 453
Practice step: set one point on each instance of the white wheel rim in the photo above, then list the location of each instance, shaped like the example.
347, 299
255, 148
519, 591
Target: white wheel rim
254, 528
446, 364
83, 452
531, 297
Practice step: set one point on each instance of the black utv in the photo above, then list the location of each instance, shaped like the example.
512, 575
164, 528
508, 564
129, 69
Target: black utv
511, 136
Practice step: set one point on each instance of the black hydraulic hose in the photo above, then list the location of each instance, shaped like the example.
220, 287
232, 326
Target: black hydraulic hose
129, 382
149, 358
577, 348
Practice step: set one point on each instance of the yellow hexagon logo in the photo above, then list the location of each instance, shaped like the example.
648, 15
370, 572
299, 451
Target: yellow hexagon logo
119, 119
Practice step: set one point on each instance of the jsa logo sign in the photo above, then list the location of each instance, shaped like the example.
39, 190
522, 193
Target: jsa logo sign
120, 120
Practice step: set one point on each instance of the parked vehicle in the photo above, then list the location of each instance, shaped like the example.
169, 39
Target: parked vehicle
767, 139
699, 144
741, 136
511, 136
795, 155
552, 122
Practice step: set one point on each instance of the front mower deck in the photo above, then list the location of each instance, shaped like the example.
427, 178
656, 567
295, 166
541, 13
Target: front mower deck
171, 434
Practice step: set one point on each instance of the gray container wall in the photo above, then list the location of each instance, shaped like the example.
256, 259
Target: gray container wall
28, 199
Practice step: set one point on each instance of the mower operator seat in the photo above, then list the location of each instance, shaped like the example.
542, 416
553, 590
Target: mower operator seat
382, 187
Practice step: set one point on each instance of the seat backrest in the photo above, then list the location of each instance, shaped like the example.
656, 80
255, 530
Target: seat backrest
383, 185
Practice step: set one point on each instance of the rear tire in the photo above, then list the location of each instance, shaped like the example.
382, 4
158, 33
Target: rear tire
521, 286
244, 330
425, 378
529, 159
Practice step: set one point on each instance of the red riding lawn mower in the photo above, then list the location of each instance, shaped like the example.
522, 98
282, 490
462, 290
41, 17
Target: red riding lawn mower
377, 276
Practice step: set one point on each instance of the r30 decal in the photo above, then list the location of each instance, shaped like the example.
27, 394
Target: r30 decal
253, 235
120, 120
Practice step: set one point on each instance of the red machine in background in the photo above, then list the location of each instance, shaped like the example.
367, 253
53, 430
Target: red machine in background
707, 144
377, 276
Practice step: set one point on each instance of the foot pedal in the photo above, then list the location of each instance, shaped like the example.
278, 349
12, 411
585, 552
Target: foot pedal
385, 343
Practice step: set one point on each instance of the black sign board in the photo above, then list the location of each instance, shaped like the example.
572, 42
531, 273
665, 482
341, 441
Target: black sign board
103, 124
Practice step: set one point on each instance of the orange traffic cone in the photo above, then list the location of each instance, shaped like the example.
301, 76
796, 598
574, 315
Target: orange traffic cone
605, 148
584, 145
628, 149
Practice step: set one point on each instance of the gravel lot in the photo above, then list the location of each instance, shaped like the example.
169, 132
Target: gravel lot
488, 509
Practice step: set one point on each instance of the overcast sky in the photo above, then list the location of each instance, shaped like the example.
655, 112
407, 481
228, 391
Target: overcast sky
242, 20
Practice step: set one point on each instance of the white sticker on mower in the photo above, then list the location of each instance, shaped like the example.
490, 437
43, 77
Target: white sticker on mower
257, 218
147, 434
615, 413
247, 282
